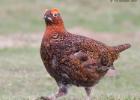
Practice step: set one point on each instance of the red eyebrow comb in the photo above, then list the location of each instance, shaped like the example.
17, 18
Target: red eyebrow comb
54, 10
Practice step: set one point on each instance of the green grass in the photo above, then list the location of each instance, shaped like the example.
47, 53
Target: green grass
23, 77
25, 16
22, 74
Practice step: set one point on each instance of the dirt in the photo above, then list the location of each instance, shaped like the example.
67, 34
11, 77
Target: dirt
17, 40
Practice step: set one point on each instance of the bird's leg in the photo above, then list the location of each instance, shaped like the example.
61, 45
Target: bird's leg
63, 89
88, 92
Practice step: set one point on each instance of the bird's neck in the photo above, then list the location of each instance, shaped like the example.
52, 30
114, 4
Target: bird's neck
54, 29
59, 28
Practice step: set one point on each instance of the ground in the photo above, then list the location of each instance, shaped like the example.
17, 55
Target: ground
22, 74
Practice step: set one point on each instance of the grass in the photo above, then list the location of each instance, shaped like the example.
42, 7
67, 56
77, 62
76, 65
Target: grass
23, 77
25, 16
22, 74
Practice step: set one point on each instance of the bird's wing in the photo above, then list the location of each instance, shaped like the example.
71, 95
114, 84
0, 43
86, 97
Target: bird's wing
86, 62
82, 56
83, 59
92, 49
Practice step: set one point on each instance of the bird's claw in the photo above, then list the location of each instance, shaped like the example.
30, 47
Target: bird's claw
43, 98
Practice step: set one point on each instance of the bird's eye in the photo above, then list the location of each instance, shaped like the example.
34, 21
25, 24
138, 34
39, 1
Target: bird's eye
56, 14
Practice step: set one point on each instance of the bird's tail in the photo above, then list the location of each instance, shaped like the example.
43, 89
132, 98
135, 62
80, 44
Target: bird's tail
121, 48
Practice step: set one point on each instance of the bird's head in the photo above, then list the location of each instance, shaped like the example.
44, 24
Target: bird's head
52, 17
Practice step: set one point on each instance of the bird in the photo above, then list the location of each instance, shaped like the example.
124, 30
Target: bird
74, 60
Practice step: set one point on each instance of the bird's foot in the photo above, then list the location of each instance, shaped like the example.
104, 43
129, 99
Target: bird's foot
47, 98
87, 98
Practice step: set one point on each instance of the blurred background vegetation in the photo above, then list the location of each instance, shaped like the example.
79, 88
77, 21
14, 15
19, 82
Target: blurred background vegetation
22, 74
98, 15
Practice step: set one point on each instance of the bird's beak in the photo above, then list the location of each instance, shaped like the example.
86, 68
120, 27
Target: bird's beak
48, 18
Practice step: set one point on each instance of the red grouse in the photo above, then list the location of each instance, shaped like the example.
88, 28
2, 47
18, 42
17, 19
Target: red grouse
73, 59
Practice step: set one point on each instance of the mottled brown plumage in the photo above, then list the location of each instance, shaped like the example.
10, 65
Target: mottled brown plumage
72, 59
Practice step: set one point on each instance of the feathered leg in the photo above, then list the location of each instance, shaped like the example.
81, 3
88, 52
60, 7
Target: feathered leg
63, 89
88, 92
